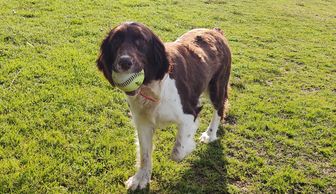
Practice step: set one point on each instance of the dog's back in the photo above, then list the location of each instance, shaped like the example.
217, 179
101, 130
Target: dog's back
201, 60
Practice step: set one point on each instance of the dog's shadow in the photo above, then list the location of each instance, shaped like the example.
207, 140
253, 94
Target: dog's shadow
207, 172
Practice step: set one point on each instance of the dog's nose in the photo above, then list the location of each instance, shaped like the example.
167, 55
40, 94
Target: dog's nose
125, 62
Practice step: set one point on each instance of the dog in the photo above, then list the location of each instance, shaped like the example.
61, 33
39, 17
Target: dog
176, 75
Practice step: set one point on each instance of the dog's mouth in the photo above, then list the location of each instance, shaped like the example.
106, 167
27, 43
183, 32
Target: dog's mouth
130, 83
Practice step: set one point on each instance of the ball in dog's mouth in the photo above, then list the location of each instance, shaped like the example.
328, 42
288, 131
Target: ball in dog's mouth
128, 82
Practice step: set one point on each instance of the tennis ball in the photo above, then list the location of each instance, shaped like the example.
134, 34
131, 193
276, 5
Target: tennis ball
128, 82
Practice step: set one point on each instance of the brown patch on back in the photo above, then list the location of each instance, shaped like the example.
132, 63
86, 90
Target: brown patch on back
201, 60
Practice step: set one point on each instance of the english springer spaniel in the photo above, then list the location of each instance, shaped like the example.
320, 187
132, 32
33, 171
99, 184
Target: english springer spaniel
176, 75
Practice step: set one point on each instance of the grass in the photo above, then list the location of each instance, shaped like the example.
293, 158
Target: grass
63, 129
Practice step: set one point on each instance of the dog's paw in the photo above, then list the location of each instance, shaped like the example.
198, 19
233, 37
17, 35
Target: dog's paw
140, 179
180, 151
205, 138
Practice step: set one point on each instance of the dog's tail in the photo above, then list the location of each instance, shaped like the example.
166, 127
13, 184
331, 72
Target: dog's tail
219, 30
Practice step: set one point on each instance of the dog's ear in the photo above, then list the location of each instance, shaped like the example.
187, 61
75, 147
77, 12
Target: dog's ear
100, 61
158, 62
105, 57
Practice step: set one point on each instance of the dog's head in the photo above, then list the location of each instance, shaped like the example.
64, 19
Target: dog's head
132, 47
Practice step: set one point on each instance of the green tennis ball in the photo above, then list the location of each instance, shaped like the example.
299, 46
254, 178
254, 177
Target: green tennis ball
128, 82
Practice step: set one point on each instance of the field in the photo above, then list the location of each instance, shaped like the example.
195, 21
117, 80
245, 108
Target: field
64, 129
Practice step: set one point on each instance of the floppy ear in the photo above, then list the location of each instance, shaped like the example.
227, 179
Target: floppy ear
105, 57
100, 60
158, 62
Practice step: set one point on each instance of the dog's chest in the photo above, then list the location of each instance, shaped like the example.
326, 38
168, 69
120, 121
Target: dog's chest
167, 110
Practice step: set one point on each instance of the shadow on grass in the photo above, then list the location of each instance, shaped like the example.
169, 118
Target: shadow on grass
207, 172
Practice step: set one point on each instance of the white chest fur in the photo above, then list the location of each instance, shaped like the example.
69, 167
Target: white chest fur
168, 109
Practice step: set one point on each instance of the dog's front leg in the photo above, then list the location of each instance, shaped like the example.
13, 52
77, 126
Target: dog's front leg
144, 161
185, 143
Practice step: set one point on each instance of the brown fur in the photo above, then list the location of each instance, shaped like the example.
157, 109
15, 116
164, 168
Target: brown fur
202, 60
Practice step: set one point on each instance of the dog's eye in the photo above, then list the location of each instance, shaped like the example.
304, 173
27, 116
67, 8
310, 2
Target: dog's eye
138, 43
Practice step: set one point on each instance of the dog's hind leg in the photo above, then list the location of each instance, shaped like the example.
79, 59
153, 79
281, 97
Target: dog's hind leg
210, 134
185, 143
218, 93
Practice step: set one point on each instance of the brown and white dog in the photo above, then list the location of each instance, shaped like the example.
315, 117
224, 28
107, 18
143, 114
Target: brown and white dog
176, 75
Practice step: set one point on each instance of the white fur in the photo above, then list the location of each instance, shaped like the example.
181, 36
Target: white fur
148, 115
210, 134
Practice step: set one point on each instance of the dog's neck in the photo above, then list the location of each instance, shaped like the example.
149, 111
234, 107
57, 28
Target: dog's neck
150, 93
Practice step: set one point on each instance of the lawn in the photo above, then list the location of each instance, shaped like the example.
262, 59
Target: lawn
64, 129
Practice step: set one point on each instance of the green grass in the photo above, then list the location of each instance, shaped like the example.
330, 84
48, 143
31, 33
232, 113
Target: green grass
63, 129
